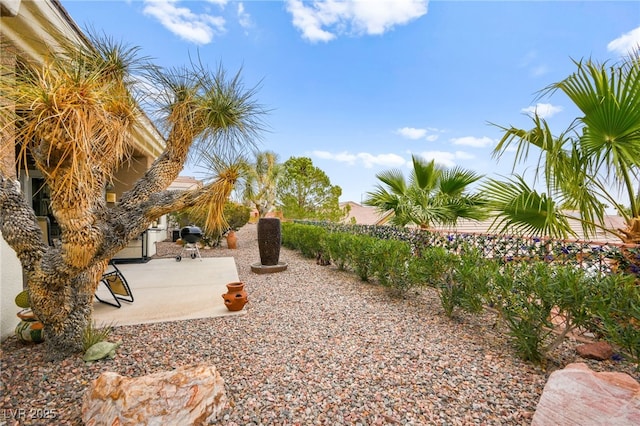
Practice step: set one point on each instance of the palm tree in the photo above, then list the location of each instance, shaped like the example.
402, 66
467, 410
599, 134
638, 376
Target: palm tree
583, 168
74, 117
433, 195
260, 180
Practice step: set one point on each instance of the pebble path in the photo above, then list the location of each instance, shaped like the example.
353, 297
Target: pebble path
316, 347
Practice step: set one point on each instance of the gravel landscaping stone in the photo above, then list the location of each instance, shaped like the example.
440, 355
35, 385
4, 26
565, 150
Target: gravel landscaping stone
316, 347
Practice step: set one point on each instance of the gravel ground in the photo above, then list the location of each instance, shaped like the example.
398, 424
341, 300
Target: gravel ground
317, 346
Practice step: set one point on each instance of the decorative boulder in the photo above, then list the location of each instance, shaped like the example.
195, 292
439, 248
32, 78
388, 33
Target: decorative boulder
192, 395
576, 395
599, 351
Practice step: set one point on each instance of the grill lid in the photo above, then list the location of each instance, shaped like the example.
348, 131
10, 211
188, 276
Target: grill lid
191, 234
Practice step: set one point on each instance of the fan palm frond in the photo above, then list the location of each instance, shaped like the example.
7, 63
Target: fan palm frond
520, 209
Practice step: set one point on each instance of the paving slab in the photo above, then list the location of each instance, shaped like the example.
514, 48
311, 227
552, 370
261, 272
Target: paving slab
167, 290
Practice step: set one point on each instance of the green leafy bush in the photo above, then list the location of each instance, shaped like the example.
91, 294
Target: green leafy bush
465, 282
339, 247
435, 263
390, 262
236, 215
309, 240
521, 295
617, 312
363, 254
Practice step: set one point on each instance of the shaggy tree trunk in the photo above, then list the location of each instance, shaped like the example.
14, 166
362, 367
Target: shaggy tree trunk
65, 308
61, 289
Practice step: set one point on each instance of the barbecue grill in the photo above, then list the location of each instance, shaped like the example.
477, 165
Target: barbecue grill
191, 235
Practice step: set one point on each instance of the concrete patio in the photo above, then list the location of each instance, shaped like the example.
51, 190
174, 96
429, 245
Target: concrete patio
167, 290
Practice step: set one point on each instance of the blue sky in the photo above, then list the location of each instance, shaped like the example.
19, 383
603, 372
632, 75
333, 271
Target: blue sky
360, 86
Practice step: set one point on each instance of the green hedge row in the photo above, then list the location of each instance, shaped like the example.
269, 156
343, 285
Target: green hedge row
526, 296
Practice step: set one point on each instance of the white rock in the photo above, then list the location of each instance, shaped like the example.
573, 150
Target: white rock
192, 395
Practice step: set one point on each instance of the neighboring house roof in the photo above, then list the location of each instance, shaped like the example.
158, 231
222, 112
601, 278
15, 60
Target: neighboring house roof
185, 183
483, 227
363, 215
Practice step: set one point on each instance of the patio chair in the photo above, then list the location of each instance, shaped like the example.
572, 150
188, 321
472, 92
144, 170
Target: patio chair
117, 285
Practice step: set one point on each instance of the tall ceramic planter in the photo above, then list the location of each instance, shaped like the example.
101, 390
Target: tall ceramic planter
269, 239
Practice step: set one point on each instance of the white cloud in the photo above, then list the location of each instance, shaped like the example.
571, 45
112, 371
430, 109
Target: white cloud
473, 141
192, 27
543, 110
244, 19
324, 20
390, 160
445, 158
415, 134
412, 133
367, 160
626, 42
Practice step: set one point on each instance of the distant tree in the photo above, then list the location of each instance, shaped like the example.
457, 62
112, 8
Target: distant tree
432, 195
260, 179
305, 192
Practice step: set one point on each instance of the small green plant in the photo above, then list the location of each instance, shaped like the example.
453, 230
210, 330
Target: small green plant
311, 241
92, 334
573, 292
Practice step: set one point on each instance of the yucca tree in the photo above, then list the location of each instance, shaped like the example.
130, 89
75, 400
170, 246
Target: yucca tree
585, 167
432, 195
74, 116
260, 179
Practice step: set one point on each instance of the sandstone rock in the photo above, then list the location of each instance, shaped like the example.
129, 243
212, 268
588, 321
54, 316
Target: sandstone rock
192, 395
597, 350
577, 395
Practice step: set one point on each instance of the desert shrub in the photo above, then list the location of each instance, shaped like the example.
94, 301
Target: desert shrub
617, 312
92, 334
309, 240
465, 282
236, 215
363, 254
520, 293
339, 246
390, 262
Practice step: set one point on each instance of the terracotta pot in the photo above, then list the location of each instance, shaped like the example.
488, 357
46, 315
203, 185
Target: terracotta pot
269, 239
235, 298
232, 240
